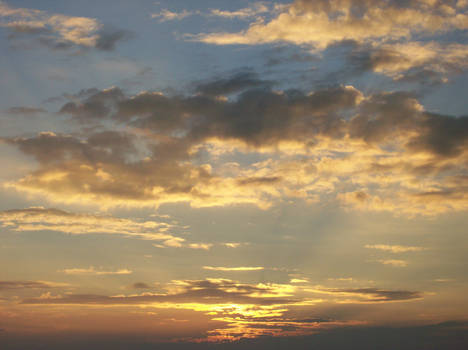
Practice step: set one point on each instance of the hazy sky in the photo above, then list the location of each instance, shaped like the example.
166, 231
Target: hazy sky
206, 171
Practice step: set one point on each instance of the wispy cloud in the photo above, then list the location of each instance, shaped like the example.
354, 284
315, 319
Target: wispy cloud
50, 219
253, 10
394, 262
240, 268
394, 248
166, 15
92, 271
6, 285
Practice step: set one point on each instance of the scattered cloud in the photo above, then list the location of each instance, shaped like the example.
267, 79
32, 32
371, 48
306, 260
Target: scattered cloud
388, 153
382, 32
310, 22
58, 31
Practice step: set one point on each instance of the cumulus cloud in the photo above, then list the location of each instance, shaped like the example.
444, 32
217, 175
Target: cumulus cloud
382, 32
388, 151
430, 63
321, 23
58, 31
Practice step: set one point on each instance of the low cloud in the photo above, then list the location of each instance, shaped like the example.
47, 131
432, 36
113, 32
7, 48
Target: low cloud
376, 152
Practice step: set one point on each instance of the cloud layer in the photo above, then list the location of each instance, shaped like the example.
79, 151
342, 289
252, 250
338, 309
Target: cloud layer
388, 152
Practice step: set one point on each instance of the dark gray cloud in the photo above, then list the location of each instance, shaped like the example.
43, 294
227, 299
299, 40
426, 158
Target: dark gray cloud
263, 117
242, 80
109, 37
158, 157
448, 335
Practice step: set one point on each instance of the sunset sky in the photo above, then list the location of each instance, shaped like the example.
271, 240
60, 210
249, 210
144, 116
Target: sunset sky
233, 173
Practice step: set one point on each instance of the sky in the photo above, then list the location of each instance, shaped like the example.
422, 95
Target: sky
233, 174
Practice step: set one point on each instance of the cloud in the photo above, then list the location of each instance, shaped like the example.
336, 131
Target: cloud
204, 246
57, 31
209, 291
387, 151
13, 285
43, 219
382, 35
25, 110
237, 82
430, 62
140, 285
394, 248
233, 244
92, 271
166, 15
241, 268
253, 10
299, 280
394, 262
244, 310
322, 23
371, 295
